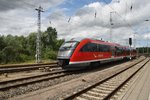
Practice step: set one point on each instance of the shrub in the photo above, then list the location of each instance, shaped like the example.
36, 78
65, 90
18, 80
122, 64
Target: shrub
50, 55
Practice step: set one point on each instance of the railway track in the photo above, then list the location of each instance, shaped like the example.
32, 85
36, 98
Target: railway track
25, 67
6, 85
106, 88
50, 83
12, 88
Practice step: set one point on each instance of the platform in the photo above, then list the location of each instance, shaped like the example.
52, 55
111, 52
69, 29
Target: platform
140, 90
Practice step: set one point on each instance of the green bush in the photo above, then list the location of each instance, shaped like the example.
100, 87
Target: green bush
15, 49
50, 55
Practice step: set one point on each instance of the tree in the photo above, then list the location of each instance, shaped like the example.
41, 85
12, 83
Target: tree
9, 54
50, 43
49, 38
59, 43
20, 48
2, 43
31, 44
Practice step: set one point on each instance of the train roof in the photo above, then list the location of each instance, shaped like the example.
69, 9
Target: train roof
76, 39
103, 42
99, 41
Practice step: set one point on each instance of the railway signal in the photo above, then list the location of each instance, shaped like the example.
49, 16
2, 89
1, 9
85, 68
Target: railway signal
130, 41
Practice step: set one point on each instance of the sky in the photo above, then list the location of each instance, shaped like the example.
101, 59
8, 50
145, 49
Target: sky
110, 20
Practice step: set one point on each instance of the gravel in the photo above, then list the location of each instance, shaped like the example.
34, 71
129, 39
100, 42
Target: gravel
32, 87
37, 86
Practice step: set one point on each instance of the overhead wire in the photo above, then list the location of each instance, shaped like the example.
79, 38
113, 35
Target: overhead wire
29, 4
12, 18
12, 7
131, 7
119, 15
135, 18
129, 25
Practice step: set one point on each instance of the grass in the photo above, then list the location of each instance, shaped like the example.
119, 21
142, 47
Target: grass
30, 62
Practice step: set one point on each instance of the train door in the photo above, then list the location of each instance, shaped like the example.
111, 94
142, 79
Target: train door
112, 51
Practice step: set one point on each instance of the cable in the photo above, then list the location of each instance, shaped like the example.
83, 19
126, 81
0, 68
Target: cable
119, 15
13, 7
131, 8
33, 6
7, 7
29, 4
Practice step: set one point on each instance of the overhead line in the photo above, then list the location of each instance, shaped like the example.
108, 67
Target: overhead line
29, 4
32, 5
119, 15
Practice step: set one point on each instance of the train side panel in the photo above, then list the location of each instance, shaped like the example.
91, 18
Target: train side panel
82, 53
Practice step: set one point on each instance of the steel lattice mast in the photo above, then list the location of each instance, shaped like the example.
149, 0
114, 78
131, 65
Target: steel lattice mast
38, 38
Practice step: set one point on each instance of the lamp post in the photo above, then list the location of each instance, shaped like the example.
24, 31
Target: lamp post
111, 25
134, 38
147, 38
142, 48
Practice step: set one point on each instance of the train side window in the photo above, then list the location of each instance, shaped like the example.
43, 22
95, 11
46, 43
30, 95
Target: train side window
103, 48
84, 48
90, 47
118, 50
93, 47
106, 48
99, 48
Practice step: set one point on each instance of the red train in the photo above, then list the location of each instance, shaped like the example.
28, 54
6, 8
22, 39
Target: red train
81, 53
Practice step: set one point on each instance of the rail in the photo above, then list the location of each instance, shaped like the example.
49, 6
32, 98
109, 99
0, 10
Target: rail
81, 94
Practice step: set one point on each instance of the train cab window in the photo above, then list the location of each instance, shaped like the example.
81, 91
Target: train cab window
69, 45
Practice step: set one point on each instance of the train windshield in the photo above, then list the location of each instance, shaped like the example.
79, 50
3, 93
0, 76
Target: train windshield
69, 45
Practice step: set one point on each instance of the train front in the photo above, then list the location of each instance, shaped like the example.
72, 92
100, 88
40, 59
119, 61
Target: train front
65, 52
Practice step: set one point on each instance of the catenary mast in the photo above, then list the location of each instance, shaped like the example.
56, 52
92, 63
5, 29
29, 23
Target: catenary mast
38, 38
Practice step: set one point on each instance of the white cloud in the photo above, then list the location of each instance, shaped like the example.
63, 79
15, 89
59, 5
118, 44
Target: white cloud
19, 17
83, 23
126, 21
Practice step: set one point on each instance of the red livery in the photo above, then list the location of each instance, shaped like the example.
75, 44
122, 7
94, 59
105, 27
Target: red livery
81, 53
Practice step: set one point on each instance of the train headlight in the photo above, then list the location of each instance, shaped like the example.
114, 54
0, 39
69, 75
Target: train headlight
66, 53
69, 52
